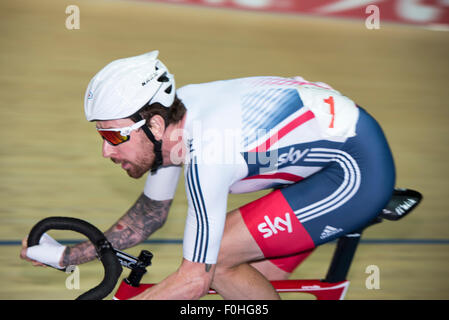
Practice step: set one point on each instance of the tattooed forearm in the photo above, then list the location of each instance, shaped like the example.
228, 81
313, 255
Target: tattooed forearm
141, 220
78, 254
144, 217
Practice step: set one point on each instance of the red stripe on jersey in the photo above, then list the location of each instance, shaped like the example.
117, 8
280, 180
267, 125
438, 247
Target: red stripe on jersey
279, 175
283, 131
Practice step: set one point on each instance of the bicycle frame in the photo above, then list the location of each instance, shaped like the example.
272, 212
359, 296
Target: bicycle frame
320, 289
333, 287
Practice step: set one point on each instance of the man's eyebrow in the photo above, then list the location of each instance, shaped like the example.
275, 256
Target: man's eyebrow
107, 127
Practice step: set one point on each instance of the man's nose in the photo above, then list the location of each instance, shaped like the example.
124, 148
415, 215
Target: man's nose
108, 149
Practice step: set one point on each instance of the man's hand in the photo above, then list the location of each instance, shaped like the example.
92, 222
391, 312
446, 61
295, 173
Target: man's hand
191, 281
47, 252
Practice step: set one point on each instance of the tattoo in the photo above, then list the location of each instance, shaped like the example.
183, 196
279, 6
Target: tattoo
136, 225
78, 254
208, 267
144, 217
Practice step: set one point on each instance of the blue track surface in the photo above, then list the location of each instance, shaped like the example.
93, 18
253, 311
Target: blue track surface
179, 241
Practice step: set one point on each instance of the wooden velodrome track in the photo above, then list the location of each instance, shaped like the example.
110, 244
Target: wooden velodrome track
51, 160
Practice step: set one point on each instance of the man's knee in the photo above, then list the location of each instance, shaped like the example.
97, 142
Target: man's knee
222, 274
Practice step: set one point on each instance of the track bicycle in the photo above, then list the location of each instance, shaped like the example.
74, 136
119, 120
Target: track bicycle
333, 287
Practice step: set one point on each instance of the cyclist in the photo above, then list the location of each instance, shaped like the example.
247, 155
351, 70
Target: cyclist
326, 159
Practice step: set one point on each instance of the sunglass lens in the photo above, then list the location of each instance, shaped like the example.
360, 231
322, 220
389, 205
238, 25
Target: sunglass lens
113, 137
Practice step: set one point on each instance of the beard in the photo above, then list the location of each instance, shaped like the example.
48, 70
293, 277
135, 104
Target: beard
135, 169
136, 164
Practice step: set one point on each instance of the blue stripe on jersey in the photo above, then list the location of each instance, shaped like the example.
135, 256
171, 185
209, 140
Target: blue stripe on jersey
265, 108
202, 235
193, 196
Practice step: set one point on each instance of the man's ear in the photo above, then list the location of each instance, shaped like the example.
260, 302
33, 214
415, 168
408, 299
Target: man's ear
157, 126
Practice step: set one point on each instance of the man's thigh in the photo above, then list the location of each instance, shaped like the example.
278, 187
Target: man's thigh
238, 245
265, 229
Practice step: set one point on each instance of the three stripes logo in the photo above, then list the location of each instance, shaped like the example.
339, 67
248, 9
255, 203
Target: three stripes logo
202, 220
329, 231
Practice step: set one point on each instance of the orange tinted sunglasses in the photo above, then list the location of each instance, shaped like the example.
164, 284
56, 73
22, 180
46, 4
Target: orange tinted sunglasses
116, 136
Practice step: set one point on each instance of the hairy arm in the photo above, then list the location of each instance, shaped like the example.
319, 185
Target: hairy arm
136, 225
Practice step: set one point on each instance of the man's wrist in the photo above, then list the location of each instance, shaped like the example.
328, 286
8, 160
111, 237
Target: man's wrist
63, 262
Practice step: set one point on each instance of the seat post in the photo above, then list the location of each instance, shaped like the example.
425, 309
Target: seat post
343, 256
403, 201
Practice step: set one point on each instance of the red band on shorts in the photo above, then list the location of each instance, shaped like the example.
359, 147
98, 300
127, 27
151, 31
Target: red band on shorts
289, 263
275, 227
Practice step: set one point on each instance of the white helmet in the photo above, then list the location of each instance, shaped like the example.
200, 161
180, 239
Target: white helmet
124, 86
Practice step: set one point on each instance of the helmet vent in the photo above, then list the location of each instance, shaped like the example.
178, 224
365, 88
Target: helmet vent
168, 90
163, 78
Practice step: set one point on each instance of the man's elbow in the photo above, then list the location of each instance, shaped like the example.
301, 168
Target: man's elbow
159, 223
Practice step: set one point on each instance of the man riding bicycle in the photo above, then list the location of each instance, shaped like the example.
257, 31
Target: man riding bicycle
326, 159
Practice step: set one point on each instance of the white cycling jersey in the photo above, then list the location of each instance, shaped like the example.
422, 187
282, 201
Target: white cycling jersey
245, 135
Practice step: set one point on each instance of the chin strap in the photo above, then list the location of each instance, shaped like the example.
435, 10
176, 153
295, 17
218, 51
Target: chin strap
157, 149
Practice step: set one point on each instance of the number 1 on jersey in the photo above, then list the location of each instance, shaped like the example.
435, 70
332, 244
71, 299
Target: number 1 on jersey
330, 102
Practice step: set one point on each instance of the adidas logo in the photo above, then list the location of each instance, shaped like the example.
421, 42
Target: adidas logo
329, 231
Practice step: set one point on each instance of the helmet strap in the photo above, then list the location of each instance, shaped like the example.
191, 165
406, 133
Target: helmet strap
157, 145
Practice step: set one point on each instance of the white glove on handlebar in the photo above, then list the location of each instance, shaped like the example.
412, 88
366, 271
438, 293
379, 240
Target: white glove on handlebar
48, 251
